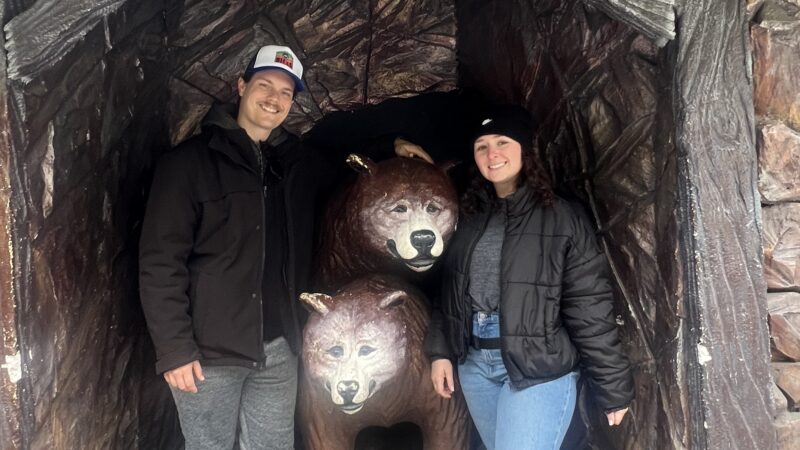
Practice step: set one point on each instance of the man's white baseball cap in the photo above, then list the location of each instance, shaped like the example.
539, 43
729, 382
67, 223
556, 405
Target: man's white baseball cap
272, 57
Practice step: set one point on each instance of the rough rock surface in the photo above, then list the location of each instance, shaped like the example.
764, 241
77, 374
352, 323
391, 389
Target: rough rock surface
788, 429
776, 69
781, 241
787, 378
784, 324
779, 401
779, 163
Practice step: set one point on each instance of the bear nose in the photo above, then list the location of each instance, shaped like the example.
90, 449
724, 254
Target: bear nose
347, 389
423, 241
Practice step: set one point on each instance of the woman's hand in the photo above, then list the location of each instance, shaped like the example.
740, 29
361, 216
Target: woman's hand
406, 149
615, 418
442, 377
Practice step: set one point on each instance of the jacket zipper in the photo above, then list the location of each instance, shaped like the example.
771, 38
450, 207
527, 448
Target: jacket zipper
466, 330
500, 299
290, 250
261, 363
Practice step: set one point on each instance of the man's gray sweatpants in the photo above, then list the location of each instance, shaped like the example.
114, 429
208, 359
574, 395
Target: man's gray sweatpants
255, 405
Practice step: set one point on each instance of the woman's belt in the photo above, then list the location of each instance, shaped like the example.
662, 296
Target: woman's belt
480, 343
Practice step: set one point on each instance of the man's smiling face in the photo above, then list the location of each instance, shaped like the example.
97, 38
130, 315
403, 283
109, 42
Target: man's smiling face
265, 102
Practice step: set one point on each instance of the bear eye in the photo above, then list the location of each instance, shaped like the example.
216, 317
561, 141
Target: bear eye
400, 209
336, 351
432, 209
365, 350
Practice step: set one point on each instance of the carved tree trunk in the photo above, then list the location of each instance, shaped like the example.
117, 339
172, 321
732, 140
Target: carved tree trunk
10, 414
726, 338
654, 18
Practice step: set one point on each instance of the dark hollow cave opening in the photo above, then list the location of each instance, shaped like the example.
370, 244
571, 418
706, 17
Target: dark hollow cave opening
94, 97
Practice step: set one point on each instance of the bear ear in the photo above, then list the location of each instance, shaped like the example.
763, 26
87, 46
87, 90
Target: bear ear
361, 164
316, 302
448, 165
393, 299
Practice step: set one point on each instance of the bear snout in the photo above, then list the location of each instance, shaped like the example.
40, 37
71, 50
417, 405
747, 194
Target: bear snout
347, 389
423, 241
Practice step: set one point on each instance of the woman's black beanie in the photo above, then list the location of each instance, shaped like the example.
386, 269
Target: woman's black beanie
513, 121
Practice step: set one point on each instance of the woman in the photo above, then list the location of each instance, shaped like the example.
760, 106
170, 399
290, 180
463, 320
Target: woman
525, 300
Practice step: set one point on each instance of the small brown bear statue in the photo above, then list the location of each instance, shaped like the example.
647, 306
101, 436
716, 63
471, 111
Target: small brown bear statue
364, 366
396, 217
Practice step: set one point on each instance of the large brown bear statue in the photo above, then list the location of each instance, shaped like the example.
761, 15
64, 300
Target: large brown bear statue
396, 217
364, 366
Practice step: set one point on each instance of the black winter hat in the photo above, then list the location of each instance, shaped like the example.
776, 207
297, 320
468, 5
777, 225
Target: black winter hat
513, 121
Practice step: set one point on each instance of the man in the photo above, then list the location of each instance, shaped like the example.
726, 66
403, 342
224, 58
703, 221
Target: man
225, 250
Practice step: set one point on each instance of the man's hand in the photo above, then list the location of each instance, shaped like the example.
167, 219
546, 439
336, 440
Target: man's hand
442, 377
183, 378
615, 418
406, 149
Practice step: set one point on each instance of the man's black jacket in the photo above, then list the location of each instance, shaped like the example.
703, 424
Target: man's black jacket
556, 302
202, 248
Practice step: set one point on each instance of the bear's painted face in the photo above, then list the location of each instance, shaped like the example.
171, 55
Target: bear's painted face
352, 351
412, 227
407, 210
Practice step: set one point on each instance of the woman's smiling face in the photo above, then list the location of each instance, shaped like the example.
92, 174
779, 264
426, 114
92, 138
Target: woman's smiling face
499, 159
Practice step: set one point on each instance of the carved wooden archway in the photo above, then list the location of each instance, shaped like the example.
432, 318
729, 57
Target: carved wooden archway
719, 340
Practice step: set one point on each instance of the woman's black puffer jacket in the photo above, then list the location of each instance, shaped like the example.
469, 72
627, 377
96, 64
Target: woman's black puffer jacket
556, 302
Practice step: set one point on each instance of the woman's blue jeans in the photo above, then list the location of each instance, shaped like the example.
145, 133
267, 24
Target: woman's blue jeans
534, 418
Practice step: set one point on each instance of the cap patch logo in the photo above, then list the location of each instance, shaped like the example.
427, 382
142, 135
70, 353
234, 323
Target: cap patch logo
284, 58
486, 122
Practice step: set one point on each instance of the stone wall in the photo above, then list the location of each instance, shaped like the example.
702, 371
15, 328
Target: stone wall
775, 34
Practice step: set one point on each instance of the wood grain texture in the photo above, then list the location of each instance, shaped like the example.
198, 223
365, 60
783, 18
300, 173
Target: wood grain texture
653, 18
10, 411
59, 26
93, 117
354, 53
727, 341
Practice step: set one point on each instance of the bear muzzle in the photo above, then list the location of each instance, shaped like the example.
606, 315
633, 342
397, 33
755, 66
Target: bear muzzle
347, 390
424, 260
